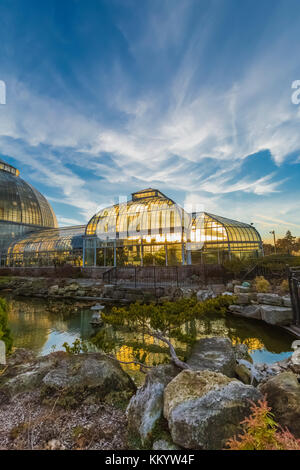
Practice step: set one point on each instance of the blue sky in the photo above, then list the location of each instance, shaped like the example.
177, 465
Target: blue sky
193, 97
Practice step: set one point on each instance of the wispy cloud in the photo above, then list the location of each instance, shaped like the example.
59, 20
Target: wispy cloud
183, 108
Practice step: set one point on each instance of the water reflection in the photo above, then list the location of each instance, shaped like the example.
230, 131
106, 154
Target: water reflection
41, 326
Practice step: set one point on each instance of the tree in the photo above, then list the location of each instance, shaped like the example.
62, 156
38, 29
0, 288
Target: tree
162, 322
286, 244
268, 248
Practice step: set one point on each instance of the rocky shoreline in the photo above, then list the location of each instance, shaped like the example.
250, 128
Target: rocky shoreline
67, 401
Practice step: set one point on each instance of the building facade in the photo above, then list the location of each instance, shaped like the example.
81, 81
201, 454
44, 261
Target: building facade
23, 209
150, 229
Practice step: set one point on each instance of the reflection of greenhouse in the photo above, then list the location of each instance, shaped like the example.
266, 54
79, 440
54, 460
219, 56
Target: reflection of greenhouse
150, 229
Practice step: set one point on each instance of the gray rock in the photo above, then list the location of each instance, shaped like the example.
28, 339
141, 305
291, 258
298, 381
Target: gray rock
241, 289
269, 299
250, 311
276, 315
287, 301
218, 288
74, 376
283, 395
243, 373
242, 352
216, 354
243, 299
227, 293
204, 409
94, 371
237, 309
146, 406
53, 290
162, 444
205, 294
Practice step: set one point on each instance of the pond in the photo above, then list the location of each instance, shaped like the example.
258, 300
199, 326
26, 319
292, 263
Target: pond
44, 326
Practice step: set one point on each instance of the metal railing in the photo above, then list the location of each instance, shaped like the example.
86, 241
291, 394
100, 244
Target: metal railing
294, 284
154, 276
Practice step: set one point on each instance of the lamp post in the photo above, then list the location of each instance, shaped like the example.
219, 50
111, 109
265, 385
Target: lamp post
273, 233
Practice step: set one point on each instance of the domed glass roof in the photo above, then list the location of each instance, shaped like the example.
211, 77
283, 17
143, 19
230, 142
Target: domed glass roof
20, 202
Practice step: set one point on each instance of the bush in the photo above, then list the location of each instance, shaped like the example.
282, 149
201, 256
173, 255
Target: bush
77, 347
261, 432
284, 287
261, 284
5, 334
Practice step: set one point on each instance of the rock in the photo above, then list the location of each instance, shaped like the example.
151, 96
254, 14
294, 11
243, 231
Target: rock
72, 287
86, 374
250, 311
72, 376
283, 395
80, 293
244, 373
227, 293
287, 301
243, 299
218, 288
146, 406
162, 444
216, 354
204, 409
2, 353
53, 290
242, 352
21, 356
241, 289
269, 299
205, 294
187, 293
55, 444
237, 309
26, 376
276, 315
229, 287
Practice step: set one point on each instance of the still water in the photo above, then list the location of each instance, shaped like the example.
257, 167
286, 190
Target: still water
43, 326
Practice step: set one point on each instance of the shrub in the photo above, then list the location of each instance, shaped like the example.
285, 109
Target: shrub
261, 284
77, 347
284, 287
261, 432
5, 334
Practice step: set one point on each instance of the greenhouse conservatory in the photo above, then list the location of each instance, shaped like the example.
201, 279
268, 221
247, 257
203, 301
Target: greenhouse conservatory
22, 208
150, 229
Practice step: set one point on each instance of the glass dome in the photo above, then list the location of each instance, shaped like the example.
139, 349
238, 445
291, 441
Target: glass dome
150, 216
22, 208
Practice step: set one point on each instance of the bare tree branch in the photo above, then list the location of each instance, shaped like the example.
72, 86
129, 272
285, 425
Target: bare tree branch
175, 359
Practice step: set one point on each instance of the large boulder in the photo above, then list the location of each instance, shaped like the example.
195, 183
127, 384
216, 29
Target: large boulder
215, 354
283, 395
269, 299
204, 408
72, 377
146, 406
276, 315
